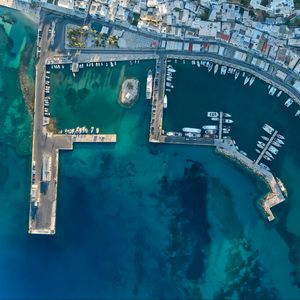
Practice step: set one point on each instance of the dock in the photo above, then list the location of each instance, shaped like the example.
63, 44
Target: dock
266, 147
220, 125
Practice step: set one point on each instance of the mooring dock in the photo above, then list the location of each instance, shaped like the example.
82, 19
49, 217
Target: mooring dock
266, 147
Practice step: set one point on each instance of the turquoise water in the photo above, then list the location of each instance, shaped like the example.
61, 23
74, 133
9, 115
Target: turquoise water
143, 221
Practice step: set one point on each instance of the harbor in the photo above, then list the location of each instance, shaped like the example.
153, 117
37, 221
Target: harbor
213, 135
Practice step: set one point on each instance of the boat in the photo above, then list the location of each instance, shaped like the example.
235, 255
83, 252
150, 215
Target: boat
228, 121
264, 166
279, 141
288, 102
297, 113
165, 101
243, 75
170, 69
226, 115
276, 144
279, 94
192, 135
268, 128
273, 150
269, 154
261, 143
269, 86
272, 91
280, 136
243, 152
210, 131
211, 114
171, 133
149, 85
260, 146
198, 63
265, 138
251, 80
282, 187
223, 70
214, 119
236, 75
168, 90
192, 130
246, 79
216, 68
210, 127
258, 151
267, 157
209, 68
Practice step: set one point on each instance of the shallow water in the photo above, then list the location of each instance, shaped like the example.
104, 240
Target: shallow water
137, 220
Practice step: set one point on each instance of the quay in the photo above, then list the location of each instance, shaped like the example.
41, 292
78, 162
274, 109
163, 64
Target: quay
220, 125
275, 195
266, 147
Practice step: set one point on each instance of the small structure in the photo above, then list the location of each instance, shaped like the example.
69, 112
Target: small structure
129, 92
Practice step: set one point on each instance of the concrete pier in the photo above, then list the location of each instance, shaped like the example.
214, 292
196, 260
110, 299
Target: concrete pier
220, 125
266, 147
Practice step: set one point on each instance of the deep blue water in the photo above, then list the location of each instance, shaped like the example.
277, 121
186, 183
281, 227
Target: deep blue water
140, 221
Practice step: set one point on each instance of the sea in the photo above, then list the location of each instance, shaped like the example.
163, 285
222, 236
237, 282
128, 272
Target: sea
145, 221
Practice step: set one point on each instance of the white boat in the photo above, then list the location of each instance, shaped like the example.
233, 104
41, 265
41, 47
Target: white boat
269, 154
276, 144
279, 141
246, 79
214, 119
149, 85
198, 63
268, 128
168, 90
261, 143
280, 136
264, 166
243, 75
192, 130
192, 135
282, 187
297, 113
227, 121
170, 69
258, 151
165, 101
223, 70
265, 138
216, 68
209, 68
251, 80
211, 114
236, 75
243, 152
226, 115
279, 94
171, 133
272, 90
267, 157
288, 102
273, 150
210, 127
210, 131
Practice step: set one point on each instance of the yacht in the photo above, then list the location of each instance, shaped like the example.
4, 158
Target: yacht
297, 113
214, 119
165, 101
261, 143
192, 130
258, 151
168, 90
170, 69
251, 80
268, 129
273, 150
269, 154
209, 68
149, 85
228, 121
276, 144
171, 133
246, 79
279, 141
211, 114
243, 152
265, 138
210, 127
272, 91
288, 102
280, 136
260, 146
226, 115
223, 70
264, 166
216, 68
198, 63
282, 187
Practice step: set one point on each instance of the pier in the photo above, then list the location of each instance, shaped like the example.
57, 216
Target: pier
266, 147
220, 125
275, 195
